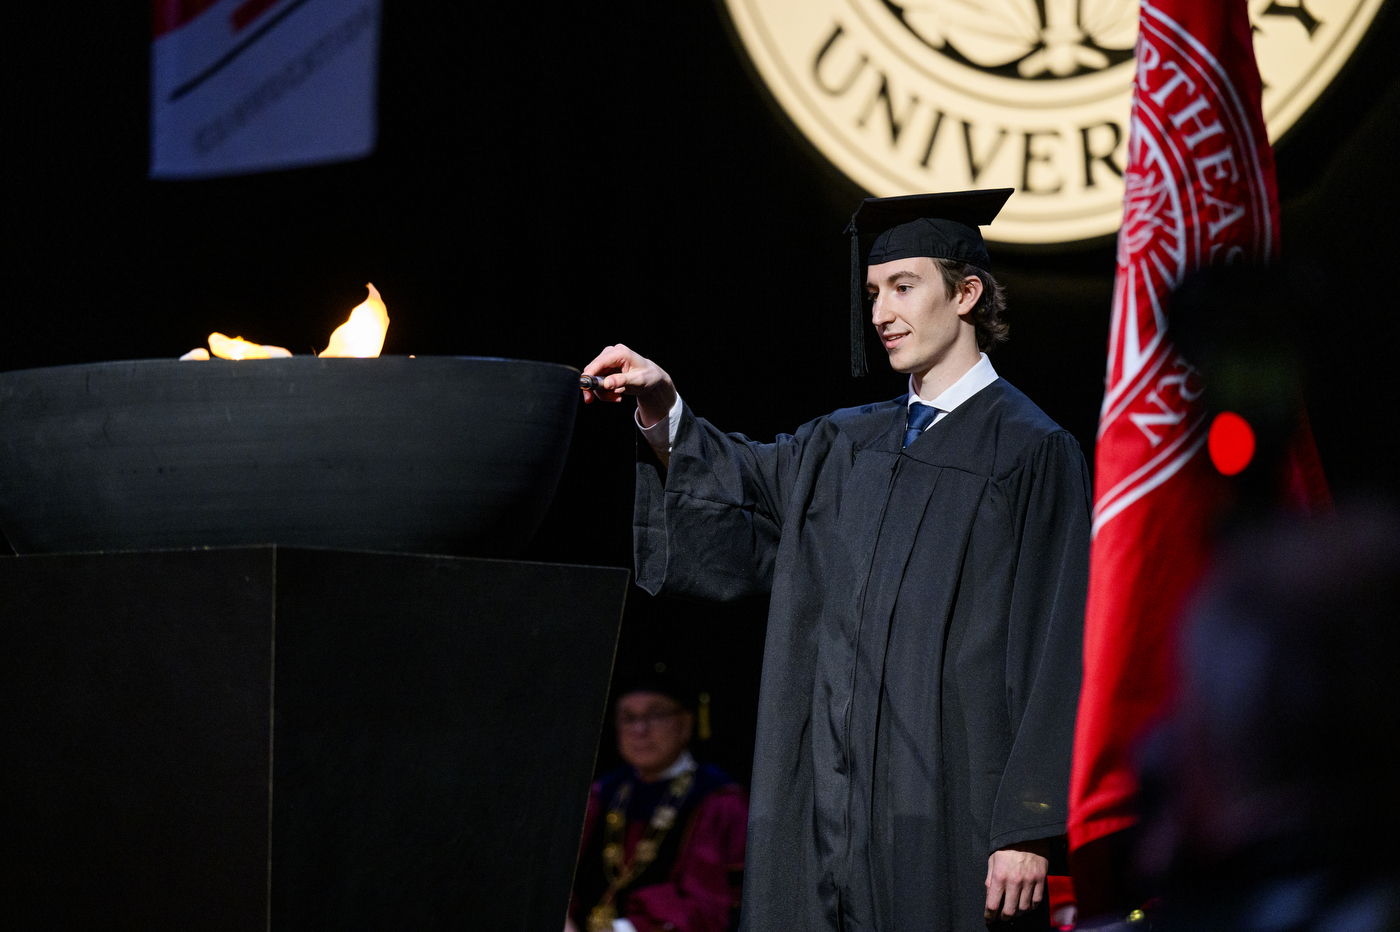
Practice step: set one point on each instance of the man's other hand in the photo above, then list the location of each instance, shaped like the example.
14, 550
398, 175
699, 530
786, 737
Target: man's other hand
630, 373
1016, 880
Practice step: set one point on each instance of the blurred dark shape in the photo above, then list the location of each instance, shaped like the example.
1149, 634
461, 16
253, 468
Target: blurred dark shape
1239, 326
1243, 328
1270, 800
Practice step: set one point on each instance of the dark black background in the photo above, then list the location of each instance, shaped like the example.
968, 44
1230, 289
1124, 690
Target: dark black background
552, 177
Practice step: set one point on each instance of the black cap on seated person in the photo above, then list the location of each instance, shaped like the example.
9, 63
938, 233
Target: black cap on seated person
936, 226
658, 677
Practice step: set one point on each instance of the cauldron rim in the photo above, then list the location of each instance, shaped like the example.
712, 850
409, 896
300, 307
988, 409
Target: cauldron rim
282, 361
438, 454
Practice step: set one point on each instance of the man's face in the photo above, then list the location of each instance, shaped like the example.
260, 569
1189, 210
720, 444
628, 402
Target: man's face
652, 730
918, 323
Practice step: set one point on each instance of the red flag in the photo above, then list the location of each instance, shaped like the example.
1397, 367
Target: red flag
1200, 191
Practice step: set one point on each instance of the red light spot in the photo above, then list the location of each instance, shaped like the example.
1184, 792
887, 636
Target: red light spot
1231, 443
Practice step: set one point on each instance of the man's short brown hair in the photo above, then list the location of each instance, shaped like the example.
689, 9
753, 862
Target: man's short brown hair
987, 314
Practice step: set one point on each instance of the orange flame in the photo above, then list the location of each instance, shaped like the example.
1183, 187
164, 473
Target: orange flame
363, 334
239, 348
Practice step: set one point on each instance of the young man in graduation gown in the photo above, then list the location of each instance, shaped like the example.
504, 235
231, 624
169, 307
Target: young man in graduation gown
663, 841
927, 562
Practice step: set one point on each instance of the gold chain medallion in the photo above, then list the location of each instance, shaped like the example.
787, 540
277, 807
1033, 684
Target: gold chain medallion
941, 95
616, 868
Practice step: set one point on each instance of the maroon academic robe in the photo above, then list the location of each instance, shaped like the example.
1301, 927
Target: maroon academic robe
693, 885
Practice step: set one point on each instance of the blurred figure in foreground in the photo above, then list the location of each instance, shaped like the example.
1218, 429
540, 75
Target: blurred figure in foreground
1270, 799
663, 844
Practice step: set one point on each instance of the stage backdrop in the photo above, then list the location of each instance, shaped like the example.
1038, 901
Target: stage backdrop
552, 177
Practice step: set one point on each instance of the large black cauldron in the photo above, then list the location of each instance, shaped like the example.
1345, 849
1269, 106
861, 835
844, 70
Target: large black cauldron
429, 455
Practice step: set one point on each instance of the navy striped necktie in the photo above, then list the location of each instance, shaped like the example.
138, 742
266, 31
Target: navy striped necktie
920, 416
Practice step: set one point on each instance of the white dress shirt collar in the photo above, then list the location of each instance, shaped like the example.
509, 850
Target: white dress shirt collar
684, 764
973, 381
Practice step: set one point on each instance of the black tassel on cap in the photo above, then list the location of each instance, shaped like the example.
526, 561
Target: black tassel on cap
858, 366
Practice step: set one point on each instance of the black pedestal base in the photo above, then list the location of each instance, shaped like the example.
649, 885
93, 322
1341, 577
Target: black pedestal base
297, 739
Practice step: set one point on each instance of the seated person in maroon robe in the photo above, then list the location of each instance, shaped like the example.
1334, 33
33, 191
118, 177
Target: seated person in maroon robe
663, 843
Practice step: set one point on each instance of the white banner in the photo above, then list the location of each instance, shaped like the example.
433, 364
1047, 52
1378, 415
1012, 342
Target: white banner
243, 86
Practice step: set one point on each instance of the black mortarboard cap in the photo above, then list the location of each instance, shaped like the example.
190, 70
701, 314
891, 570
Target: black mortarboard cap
939, 226
658, 677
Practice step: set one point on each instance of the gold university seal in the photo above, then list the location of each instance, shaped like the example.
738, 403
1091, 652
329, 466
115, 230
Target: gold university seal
940, 95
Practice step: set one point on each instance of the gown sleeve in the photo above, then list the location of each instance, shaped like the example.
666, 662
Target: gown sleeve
701, 895
708, 526
1045, 645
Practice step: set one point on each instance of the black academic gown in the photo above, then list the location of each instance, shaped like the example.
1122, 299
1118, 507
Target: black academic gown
923, 653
